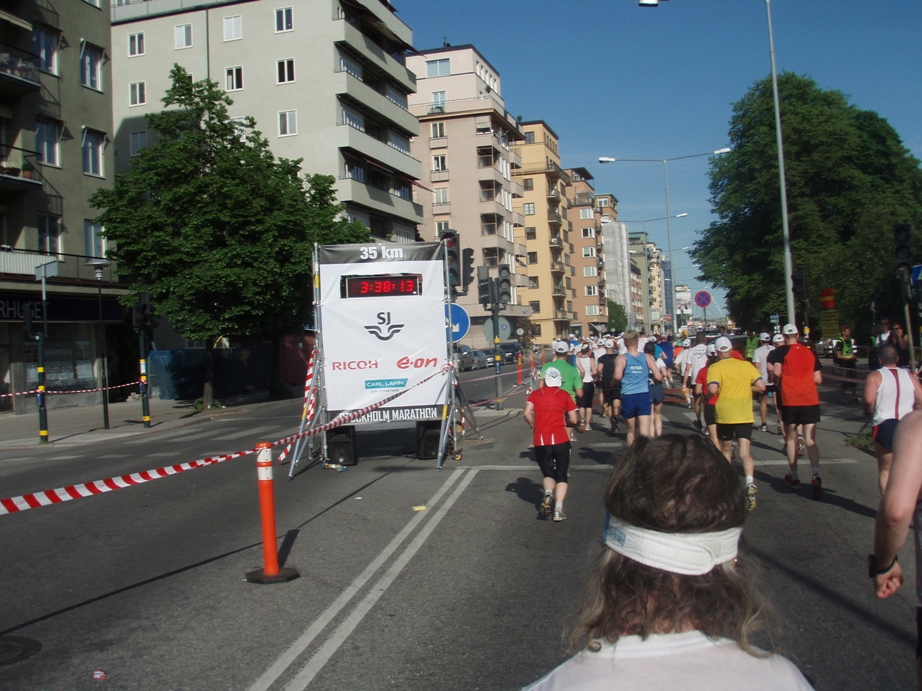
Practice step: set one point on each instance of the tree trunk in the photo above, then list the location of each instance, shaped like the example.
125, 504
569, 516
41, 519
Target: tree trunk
208, 394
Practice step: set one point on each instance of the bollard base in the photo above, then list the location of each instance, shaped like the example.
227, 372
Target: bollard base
283, 576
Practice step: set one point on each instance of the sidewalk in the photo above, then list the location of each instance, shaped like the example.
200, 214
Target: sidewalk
83, 425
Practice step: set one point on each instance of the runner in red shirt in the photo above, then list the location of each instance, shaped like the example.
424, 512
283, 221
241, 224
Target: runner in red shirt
710, 401
547, 411
798, 370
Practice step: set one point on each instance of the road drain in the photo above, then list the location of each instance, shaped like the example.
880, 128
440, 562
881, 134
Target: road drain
17, 648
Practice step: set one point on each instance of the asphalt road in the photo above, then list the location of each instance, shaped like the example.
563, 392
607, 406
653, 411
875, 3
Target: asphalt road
472, 592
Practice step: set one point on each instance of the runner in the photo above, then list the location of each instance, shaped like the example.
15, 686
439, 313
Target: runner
890, 394
734, 381
547, 411
760, 360
633, 370
701, 382
585, 364
798, 370
611, 387
657, 392
696, 359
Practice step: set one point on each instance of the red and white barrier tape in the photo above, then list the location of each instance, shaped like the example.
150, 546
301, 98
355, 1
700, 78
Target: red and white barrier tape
48, 391
308, 409
89, 489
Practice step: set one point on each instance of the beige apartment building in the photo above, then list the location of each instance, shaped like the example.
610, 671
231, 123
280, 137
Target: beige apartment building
56, 130
589, 300
546, 233
649, 260
326, 82
466, 148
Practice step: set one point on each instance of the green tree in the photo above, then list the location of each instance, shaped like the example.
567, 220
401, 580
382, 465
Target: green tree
617, 317
849, 180
214, 227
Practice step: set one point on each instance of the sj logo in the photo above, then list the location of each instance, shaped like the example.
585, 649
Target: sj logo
384, 330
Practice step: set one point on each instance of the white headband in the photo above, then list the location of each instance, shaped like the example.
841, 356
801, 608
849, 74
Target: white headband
688, 554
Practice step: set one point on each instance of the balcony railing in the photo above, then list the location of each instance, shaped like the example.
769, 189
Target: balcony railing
20, 65
554, 216
556, 242
553, 193
558, 267
441, 208
19, 167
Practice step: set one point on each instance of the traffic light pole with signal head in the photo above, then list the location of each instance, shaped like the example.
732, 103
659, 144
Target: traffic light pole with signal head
902, 251
142, 319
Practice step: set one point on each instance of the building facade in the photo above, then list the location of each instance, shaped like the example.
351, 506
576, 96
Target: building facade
466, 147
56, 129
546, 232
326, 82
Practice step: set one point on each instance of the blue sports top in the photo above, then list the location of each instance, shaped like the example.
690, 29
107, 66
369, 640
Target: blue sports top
636, 374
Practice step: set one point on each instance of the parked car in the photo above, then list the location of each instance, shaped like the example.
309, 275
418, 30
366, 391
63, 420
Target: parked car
824, 347
510, 351
464, 355
481, 359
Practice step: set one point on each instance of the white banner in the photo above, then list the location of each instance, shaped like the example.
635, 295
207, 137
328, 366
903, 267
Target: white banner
383, 327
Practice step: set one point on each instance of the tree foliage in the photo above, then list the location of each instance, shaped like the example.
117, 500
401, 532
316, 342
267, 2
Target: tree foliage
218, 230
617, 317
849, 180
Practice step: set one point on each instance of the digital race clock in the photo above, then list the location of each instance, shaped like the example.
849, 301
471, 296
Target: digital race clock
386, 285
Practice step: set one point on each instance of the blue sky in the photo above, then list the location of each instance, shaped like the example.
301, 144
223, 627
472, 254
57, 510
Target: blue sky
615, 79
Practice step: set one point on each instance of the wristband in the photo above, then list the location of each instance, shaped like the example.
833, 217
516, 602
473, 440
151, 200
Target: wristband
874, 571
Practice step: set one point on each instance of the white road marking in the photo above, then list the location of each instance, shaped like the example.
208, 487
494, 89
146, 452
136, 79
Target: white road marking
333, 643
251, 432
288, 658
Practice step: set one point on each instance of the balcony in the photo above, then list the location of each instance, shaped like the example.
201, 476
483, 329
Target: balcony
14, 262
555, 171
584, 199
438, 176
561, 314
375, 54
558, 267
19, 71
558, 291
493, 207
556, 241
370, 148
438, 142
518, 219
382, 201
18, 170
358, 92
553, 193
553, 216
441, 209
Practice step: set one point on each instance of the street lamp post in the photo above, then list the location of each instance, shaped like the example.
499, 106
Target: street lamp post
99, 265
665, 162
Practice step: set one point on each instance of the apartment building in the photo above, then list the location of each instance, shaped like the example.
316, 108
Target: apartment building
56, 131
326, 82
589, 301
683, 299
465, 146
546, 232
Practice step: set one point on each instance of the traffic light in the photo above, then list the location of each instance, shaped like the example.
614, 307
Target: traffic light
483, 285
504, 285
902, 250
798, 280
452, 255
141, 318
467, 267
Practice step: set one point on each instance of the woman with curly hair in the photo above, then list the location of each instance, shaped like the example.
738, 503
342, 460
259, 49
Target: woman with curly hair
671, 603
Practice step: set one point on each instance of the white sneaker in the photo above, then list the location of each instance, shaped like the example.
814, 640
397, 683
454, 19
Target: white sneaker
559, 515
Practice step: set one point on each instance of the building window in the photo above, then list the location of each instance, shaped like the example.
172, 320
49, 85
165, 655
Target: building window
94, 242
592, 310
439, 163
288, 123
529, 137
532, 281
438, 130
438, 101
91, 68
586, 213
530, 233
233, 28
588, 251
135, 45
93, 143
233, 78
45, 45
532, 257
590, 271
603, 202
136, 142
137, 94
353, 118
528, 184
286, 70
442, 226
47, 141
49, 234
592, 291
588, 232
183, 34
283, 20
529, 208
437, 68
535, 306
441, 195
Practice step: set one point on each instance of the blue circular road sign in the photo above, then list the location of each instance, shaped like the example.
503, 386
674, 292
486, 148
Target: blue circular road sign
702, 298
457, 322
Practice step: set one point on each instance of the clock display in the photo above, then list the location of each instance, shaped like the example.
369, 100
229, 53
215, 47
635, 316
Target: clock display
389, 285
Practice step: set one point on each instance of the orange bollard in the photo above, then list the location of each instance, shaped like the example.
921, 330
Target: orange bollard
520, 369
270, 573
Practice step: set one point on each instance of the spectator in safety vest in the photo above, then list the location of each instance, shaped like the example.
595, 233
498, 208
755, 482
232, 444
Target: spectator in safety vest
846, 359
752, 342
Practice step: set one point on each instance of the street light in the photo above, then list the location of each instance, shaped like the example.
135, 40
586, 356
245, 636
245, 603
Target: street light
100, 265
785, 229
665, 162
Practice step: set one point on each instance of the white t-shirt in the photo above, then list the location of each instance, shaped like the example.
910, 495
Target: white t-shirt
698, 358
760, 360
689, 661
